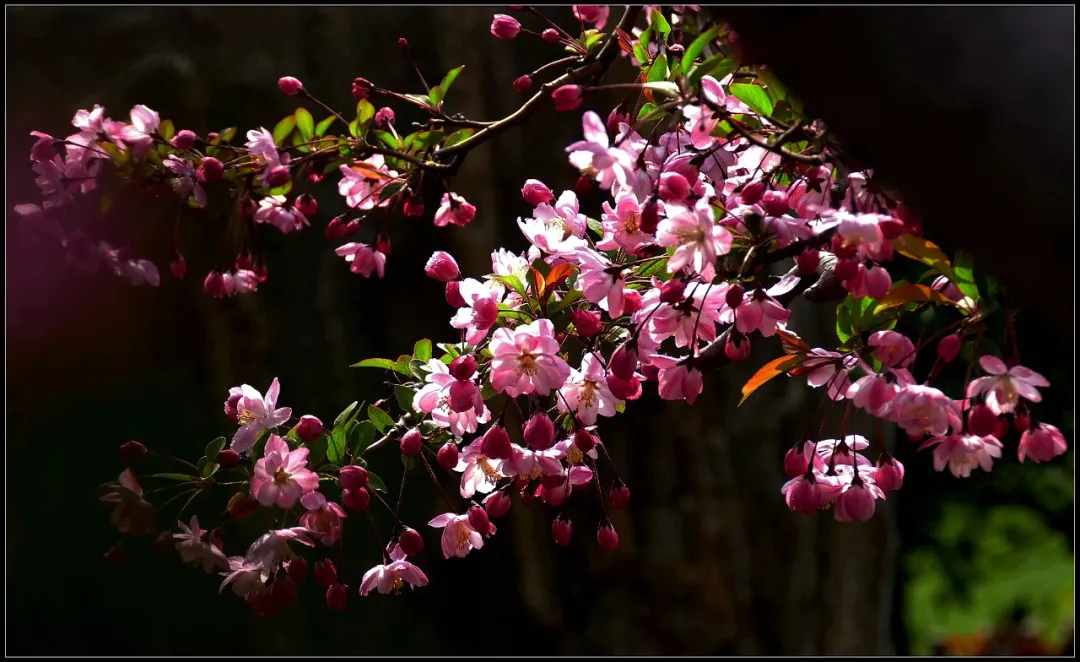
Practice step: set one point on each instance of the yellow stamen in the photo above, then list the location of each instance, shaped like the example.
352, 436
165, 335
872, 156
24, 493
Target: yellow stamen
396, 584
574, 455
527, 365
245, 416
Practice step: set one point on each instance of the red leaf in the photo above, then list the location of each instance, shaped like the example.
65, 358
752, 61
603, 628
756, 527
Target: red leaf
559, 273
538, 281
368, 172
898, 296
777, 366
792, 343
624, 41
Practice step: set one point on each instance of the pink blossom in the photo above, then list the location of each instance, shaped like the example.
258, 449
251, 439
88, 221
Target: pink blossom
256, 413
261, 145
241, 281
855, 503
272, 548
526, 360
601, 281
1042, 443
45, 149
459, 537
808, 492
964, 452
277, 211
696, 238
586, 392
434, 398
556, 229
361, 189
922, 409
393, 576
281, 476
566, 97
504, 263
195, 550
245, 576
481, 308
834, 452
760, 312
442, 267
594, 156
872, 392
596, 15
364, 259
133, 514
139, 272
622, 224
536, 192
454, 210
1005, 386
186, 186
874, 282
325, 519
139, 135
679, 380
505, 27
531, 464
480, 473
892, 349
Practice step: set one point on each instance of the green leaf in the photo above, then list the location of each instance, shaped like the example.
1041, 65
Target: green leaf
697, 46
402, 365
717, 66
404, 396
375, 363
644, 40
306, 123
390, 190
776, 89
457, 137
646, 110
753, 96
641, 54
659, 71
387, 139
449, 79
183, 478
335, 447
593, 38
418, 368
300, 143
596, 226
215, 447
664, 87
453, 350
380, 419
209, 469
283, 129
281, 190
166, 129
375, 482
569, 299
317, 449
364, 111
513, 282
422, 350
653, 268
362, 436
660, 25
354, 131
845, 324
436, 95
348, 414
926, 252
422, 99
963, 267
321, 127
408, 462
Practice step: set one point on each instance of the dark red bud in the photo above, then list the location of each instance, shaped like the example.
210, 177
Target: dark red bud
325, 572
353, 477
131, 452
411, 542
496, 444
447, 457
522, 83
562, 530
357, 500
228, 458
587, 323
607, 537
337, 597
478, 519
453, 294
463, 367
550, 36
411, 443
584, 440
620, 495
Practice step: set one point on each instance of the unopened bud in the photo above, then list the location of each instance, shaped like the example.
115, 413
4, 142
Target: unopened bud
178, 267
562, 530
325, 572
567, 97
361, 88
210, 170
357, 500
297, 569
411, 443
290, 85
620, 495
337, 597
752, 193
278, 176
617, 116
775, 203
949, 347
228, 458
586, 323
496, 444
497, 504
453, 294
442, 267
672, 291
307, 205
583, 185
131, 452
353, 477
982, 421
463, 367
242, 506
184, 139
384, 118
550, 36
584, 440
478, 519
539, 432
535, 192
411, 542
807, 261
650, 217
447, 457
309, 428
607, 537
522, 83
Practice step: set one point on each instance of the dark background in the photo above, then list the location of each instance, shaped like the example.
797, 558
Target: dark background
711, 561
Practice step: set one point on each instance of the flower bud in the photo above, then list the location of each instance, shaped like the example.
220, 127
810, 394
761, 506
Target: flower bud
775, 203
505, 27
442, 266
584, 440
889, 475
278, 176
210, 170
1021, 421
410, 542
617, 116
184, 139
496, 444
535, 192
583, 185
447, 457
413, 208
624, 361
384, 118
624, 389
631, 302
290, 85
607, 537
337, 597
539, 432
243, 261
982, 421
586, 323
453, 294
846, 269
297, 569
751, 193
795, 461
307, 205
132, 452
335, 229
242, 506
361, 88
808, 261
463, 367
228, 458
478, 519
353, 477
522, 83
736, 346
550, 36
1002, 428
561, 531
411, 442
356, 500
309, 428
117, 556
284, 590
673, 187
619, 495
949, 347
325, 572
567, 97
672, 291
178, 267
497, 504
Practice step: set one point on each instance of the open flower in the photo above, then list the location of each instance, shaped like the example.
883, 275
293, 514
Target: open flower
255, 413
696, 238
133, 514
481, 308
1005, 386
139, 135
459, 537
363, 259
282, 476
480, 473
601, 281
526, 360
323, 518
196, 550
362, 182
586, 392
595, 158
392, 577
964, 452
1042, 443
921, 410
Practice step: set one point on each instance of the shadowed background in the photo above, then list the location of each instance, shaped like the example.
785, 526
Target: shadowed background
711, 561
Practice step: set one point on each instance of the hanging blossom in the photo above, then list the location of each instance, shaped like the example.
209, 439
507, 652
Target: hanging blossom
1005, 386
281, 476
392, 577
586, 393
194, 549
363, 259
254, 413
459, 537
526, 360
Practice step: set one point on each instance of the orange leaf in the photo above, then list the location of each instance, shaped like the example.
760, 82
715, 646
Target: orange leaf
898, 296
538, 282
368, 172
644, 78
792, 343
558, 273
624, 41
777, 366
926, 252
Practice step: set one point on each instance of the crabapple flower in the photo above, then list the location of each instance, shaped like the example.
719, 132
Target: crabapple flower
186, 186
281, 476
836, 452
480, 473
696, 238
597, 15
1042, 443
526, 360
963, 452
454, 210
679, 380
601, 281
505, 27
856, 499
921, 410
245, 576
586, 392
622, 224
594, 157
133, 514
1005, 386
442, 267
193, 549
139, 135
277, 211
362, 182
459, 537
892, 349
481, 308
808, 492
393, 576
556, 229
363, 259
760, 312
255, 413
323, 518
